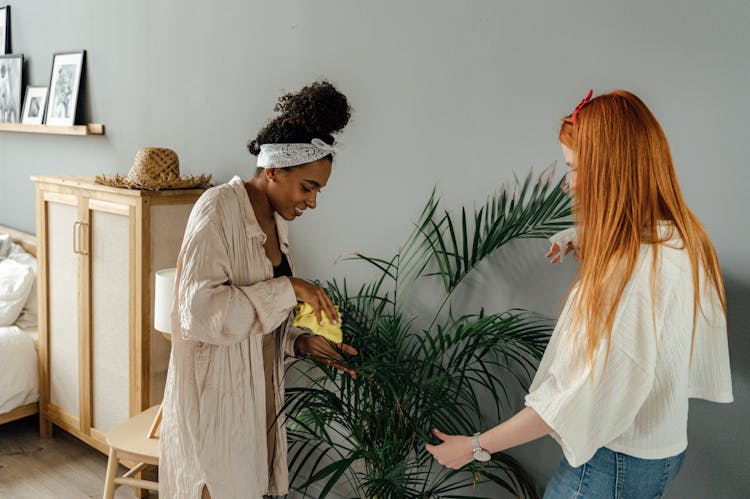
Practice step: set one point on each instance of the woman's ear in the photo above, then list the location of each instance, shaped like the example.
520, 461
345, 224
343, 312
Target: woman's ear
270, 174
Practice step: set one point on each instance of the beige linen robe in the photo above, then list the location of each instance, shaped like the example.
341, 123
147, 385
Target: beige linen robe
214, 427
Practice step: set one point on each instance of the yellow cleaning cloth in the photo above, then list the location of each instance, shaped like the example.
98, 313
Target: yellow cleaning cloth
306, 319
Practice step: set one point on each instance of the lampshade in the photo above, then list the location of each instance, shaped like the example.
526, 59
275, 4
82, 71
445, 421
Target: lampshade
163, 298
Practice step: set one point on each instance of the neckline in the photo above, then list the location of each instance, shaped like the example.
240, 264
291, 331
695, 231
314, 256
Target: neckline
251, 221
281, 263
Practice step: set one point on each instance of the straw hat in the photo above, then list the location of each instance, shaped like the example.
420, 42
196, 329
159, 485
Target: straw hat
155, 169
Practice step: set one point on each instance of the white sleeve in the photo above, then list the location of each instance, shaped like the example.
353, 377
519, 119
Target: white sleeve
710, 376
585, 412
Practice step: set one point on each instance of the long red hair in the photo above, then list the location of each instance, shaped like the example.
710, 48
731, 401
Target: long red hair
626, 184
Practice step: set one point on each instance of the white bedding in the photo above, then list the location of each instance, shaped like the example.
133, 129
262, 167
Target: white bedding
19, 371
19, 365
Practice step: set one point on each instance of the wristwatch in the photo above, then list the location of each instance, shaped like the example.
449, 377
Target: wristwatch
479, 453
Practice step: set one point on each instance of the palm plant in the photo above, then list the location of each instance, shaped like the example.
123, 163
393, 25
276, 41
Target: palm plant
370, 432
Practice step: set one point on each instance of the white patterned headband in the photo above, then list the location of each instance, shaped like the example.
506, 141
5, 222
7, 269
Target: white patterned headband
286, 155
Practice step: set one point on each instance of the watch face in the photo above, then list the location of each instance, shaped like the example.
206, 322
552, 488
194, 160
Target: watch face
482, 455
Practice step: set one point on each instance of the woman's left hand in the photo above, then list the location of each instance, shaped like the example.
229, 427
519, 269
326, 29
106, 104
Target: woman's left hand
455, 452
325, 351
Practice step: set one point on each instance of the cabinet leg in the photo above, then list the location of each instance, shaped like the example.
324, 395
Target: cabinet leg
45, 427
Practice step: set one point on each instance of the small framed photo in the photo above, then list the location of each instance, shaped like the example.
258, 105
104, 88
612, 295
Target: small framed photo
5, 30
64, 82
33, 105
10, 88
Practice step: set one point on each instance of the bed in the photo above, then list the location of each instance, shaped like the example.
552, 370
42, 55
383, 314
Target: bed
19, 359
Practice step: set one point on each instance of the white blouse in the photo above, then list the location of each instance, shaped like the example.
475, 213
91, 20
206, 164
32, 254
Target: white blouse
214, 424
637, 402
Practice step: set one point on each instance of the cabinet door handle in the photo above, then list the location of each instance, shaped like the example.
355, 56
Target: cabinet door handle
76, 237
83, 248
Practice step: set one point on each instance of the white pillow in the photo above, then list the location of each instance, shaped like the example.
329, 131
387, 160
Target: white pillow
4, 245
16, 281
28, 316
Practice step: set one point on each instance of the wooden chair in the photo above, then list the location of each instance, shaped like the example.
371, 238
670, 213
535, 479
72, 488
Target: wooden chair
133, 440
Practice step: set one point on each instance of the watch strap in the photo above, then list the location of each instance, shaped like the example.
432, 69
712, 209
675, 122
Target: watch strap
475, 442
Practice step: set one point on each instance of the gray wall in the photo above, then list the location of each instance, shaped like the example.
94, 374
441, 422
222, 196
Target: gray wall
458, 94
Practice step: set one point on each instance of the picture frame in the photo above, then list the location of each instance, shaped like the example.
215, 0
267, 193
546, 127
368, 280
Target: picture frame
11, 79
34, 104
64, 83
5, 30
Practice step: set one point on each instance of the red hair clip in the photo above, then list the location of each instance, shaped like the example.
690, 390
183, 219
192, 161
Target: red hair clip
580, 106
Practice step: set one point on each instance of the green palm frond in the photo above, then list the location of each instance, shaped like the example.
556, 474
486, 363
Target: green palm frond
370, 432
531, 210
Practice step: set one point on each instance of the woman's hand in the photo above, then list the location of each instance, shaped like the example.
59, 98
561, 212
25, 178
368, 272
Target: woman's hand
563, 243
455, 452
556, 254
325, 351
316, 297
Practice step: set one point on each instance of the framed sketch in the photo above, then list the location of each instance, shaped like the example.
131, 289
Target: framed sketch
10, 88
5, 30
64, 82
33, 105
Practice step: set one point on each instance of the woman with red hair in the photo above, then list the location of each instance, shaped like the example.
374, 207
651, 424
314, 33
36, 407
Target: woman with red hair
644, 325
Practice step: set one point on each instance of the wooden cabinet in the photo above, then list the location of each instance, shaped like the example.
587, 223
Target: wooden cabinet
101, 361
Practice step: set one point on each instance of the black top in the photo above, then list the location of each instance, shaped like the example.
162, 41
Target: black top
283, 268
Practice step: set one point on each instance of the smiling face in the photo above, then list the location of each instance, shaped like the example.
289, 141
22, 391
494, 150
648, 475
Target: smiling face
294, 190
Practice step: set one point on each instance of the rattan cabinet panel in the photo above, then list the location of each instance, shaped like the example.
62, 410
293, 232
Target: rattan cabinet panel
101, 361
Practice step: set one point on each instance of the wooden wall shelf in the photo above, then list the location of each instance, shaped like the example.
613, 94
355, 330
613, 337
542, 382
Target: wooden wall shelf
88, 129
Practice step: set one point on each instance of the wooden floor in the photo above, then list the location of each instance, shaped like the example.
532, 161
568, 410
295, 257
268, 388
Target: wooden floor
61, 467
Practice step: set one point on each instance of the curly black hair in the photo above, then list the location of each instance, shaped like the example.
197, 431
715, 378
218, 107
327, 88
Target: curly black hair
317, 111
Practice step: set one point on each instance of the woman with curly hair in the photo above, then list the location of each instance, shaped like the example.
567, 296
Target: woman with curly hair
644, 326
234, 294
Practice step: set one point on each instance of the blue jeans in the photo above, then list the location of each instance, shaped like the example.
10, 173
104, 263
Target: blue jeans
611, 474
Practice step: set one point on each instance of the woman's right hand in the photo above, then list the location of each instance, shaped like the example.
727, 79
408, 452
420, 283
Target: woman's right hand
563, 243
555, 254
315, 295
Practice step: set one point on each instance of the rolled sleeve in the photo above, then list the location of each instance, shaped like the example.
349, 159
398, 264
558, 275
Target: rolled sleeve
290, 337
584, 413
211, 308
